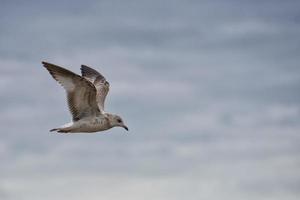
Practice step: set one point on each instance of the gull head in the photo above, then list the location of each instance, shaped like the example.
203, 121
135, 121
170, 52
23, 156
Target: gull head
116, 120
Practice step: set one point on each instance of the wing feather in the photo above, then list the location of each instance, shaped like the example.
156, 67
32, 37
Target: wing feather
81, 94
99, 81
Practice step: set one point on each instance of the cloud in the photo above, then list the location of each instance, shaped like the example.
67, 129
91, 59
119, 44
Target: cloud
208, 89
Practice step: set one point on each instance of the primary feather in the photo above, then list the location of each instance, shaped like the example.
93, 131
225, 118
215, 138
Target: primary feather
99, 81
81, 94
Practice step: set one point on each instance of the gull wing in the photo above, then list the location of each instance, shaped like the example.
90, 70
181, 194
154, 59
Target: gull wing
99, 81
81, 93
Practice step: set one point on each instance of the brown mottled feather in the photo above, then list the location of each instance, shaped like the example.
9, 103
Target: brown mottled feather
99, 81
81, 93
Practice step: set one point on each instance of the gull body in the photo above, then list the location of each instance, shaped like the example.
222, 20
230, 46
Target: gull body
87, 124
86, 96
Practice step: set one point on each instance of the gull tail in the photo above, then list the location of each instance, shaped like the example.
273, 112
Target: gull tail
61, 130
67, 128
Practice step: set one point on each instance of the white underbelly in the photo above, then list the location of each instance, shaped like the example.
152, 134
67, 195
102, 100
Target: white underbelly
90, 125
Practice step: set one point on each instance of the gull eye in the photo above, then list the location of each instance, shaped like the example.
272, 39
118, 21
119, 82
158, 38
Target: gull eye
119, 121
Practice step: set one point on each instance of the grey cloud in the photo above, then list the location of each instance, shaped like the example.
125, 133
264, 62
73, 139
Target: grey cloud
208, 89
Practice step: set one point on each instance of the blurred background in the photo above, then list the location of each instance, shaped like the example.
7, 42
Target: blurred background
209, 90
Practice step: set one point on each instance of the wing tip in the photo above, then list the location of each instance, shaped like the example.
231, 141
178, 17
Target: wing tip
45, 63
85, 69
89, 72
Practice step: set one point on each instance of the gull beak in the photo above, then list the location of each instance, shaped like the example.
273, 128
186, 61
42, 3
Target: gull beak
126, 128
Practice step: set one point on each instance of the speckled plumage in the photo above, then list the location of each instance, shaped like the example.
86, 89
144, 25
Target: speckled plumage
86, 96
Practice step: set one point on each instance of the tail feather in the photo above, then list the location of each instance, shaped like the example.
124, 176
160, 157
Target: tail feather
61, 130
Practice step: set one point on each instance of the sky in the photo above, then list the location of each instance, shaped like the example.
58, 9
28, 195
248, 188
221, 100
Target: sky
209, 90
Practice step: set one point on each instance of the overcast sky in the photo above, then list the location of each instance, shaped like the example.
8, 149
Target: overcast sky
208, 89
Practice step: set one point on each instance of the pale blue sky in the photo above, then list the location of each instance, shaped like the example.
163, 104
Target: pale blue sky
209, 90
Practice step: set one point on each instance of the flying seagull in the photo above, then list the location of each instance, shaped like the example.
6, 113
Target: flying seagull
86, 96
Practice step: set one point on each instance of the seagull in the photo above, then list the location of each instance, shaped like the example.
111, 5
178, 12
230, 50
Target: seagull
86, 96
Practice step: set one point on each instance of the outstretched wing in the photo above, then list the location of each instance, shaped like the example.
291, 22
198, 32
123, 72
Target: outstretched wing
99, 81
81, 93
